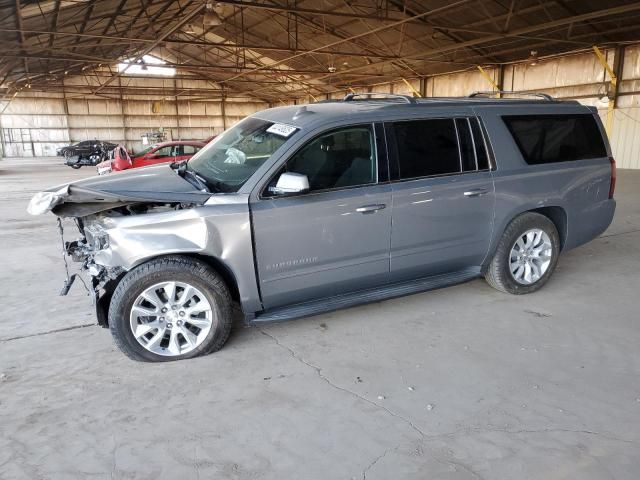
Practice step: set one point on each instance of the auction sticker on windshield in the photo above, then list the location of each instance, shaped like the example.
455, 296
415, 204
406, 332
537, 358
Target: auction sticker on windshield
281, 129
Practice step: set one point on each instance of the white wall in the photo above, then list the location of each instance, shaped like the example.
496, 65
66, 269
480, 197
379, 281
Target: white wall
580, 77
35, 123
41, 122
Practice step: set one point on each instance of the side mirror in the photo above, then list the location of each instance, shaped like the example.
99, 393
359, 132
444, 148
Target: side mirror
290, 183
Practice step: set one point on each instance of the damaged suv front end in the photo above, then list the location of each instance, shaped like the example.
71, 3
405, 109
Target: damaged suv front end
108, 216
167, 247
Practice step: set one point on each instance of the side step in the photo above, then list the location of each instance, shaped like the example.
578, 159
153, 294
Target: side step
385, 292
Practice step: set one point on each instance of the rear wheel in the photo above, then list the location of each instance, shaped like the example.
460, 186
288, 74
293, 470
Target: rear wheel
526, 255
170, 309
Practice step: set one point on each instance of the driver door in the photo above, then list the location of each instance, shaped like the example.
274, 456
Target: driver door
334, 238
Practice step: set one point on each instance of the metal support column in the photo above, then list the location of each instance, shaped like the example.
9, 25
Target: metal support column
612, 88
491, 81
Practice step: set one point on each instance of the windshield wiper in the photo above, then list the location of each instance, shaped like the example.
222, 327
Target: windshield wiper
182, 169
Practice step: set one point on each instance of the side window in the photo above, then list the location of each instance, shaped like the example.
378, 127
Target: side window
339, 159
164, 152
189, 149
427, 147
556, 138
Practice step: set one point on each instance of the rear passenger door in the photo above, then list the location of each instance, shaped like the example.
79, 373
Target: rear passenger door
443, 196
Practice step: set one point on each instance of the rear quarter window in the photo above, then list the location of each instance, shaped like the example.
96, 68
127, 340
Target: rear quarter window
556, 138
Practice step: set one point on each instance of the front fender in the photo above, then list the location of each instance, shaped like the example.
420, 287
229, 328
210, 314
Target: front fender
220, 231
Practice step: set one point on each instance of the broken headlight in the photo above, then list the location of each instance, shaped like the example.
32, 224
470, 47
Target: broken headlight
97, 237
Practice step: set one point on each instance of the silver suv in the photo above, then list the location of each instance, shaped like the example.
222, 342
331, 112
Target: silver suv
300, 210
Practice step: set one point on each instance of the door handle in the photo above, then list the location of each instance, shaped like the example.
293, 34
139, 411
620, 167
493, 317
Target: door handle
370, 208
476, 192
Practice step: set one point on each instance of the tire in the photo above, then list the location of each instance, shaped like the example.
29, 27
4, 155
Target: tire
166, 330
75, 166
505, 272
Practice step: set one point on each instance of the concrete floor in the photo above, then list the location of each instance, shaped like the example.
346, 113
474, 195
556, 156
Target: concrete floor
460, 383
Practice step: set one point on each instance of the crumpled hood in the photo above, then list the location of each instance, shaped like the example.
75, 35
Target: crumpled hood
84, 197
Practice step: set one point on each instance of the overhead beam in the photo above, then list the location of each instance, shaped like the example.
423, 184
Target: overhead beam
21, 34
147, 50
200, 66
54, 21
204, 44
309, 11
367, 33
520, 31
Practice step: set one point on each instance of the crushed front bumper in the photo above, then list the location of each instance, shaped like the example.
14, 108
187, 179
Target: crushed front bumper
102, 280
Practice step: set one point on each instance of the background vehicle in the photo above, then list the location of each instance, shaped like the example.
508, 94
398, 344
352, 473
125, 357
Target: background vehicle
87, 153
162, 153
118, 156
289, 213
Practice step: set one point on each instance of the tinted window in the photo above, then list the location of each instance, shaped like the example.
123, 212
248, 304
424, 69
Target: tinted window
340, 159
466, 145
556, 138
427, 147
481, 147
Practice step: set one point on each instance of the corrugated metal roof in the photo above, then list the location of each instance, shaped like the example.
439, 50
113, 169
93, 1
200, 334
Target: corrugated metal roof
278, 49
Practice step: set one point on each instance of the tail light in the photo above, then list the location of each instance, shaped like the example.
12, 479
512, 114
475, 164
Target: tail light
612, 185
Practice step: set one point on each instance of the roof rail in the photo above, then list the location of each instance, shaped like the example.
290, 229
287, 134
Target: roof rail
544, 96
352, 96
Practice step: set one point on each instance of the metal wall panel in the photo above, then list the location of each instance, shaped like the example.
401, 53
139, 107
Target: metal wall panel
42, 122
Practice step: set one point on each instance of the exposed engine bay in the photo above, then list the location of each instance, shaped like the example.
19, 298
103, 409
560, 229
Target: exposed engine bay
114, 223
94, 239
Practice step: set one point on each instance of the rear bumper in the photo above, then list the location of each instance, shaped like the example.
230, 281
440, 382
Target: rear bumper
591, 223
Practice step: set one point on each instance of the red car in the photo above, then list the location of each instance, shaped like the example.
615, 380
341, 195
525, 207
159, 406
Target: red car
161, 153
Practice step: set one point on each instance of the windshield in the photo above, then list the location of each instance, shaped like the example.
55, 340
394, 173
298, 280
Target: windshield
231, 158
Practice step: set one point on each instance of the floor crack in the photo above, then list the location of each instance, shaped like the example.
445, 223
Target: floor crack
564, 430
318, 371
48, 332
376, 460
618, 234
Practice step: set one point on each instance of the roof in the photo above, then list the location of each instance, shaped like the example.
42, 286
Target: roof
315, 114
278, 49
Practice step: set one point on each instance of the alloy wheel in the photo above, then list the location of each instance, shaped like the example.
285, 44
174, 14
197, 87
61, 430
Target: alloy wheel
530, 256
171, 318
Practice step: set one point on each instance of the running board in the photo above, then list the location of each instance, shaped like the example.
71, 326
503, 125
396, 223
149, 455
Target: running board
385, 292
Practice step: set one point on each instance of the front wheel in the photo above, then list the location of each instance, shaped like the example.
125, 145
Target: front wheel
526, 255
75, 166
168, 309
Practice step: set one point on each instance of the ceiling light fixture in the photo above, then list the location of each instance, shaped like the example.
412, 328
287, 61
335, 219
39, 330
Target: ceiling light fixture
533, 58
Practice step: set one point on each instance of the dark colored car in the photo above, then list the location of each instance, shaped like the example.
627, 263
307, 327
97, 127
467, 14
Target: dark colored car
296, 211
86, 153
